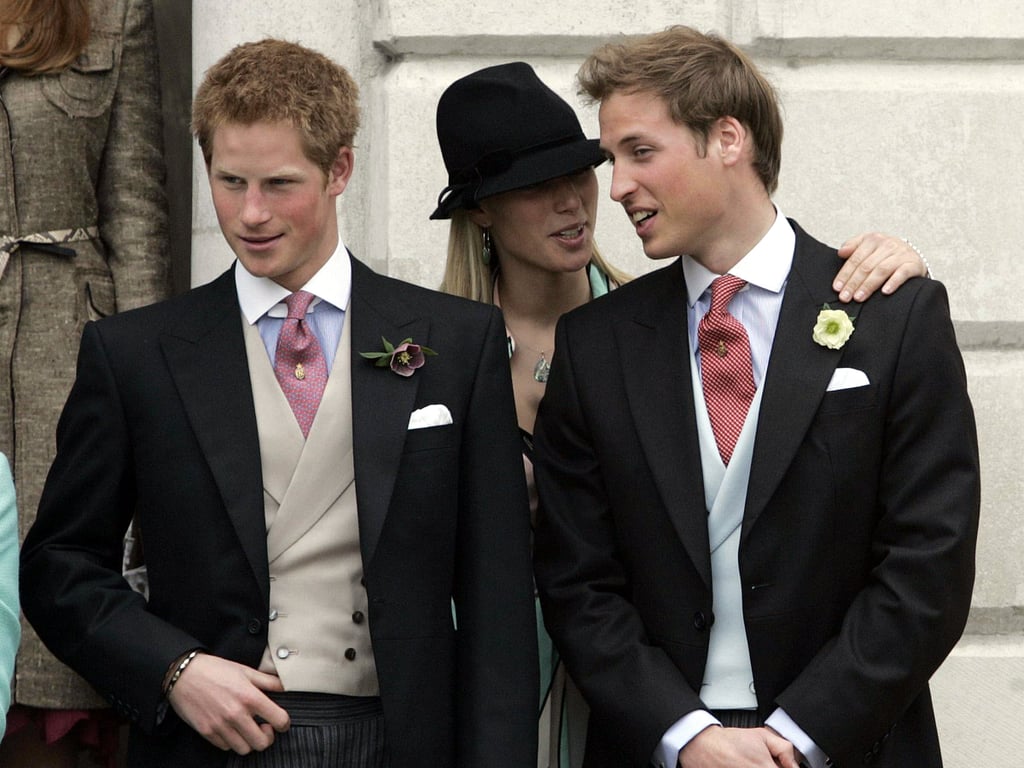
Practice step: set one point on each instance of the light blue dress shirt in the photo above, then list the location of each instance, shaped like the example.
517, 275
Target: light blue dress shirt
262, 303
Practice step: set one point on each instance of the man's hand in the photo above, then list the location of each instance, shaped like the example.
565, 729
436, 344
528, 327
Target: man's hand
717, 747
874, 260
221, 700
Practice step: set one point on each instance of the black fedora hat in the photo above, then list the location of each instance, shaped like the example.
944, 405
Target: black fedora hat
500, 129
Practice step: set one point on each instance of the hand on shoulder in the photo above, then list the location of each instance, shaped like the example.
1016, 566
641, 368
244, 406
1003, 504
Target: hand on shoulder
874, 261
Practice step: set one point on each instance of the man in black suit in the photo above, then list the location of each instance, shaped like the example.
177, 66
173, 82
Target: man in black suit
758, 513
337, 543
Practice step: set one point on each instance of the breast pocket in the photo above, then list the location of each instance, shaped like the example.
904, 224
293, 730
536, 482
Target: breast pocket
847, 400
429, 438
86, 87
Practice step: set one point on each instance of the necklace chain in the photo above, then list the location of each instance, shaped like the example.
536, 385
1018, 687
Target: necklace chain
542, 368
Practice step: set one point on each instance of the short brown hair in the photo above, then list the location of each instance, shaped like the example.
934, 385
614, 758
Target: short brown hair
701, 78
277, 81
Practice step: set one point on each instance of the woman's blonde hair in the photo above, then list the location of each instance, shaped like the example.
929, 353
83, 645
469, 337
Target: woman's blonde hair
465, 273
53, 33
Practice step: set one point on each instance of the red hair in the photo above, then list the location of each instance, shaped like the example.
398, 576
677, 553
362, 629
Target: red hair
53, 33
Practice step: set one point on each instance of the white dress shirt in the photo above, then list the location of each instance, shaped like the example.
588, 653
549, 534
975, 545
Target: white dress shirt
262, 303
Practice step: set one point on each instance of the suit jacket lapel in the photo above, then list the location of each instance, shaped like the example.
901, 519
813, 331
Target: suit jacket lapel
381, 400
206, 358
655, 355
798, 372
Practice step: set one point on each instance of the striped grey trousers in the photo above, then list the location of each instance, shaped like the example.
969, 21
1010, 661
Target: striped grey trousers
327, 731
738, 718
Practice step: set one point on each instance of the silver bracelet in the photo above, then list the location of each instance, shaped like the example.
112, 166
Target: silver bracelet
927, 266
177, 673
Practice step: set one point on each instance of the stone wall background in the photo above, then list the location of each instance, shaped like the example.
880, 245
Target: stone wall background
904, 118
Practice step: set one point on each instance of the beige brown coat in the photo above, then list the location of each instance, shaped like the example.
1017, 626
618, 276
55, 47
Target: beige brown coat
78, 150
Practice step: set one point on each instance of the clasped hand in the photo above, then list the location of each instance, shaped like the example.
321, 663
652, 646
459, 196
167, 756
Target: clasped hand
717, 747
222, 700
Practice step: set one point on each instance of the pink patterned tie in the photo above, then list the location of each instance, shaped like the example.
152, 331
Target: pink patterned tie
726, 370
299, 362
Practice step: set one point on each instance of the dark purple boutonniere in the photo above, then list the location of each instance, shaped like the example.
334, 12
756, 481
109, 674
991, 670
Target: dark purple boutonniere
403, 359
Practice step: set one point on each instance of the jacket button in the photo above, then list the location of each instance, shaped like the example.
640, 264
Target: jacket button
273, 614
283, 653
350, 654
700, 622
357, 617
254, 626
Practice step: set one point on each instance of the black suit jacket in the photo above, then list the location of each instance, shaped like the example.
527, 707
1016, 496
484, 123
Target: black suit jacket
161, 423
857, 544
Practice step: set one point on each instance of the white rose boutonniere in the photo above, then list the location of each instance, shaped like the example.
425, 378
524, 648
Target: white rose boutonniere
833, 327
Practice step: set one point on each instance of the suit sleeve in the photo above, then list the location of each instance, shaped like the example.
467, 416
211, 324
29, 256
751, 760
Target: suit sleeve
72, 589
584, 580
913, 605
497, 682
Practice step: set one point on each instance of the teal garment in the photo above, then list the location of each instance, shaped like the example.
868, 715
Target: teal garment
598, 281
571, 721
548, 658
10, 627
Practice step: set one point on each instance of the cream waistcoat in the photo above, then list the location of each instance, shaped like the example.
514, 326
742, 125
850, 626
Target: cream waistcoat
319, 638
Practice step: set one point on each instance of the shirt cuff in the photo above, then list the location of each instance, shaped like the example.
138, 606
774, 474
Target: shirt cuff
783, 724
679, 735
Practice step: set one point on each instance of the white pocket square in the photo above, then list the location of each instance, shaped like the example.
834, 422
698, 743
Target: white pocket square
436, 415
847, 378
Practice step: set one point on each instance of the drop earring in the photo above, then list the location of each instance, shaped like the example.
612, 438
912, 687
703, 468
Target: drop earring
488, 248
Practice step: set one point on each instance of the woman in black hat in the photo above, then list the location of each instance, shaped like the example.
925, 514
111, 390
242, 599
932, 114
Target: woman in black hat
522, 199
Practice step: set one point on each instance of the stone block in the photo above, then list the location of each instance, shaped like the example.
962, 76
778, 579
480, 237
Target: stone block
994, 383
911, 29
920, 151
978, 695
503, 28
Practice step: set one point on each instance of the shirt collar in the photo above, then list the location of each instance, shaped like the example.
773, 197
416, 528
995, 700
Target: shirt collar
766, 265
332, 283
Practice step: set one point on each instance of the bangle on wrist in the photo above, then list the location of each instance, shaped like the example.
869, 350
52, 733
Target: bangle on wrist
178, 670
927, 266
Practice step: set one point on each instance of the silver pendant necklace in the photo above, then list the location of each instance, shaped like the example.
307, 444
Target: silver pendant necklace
542, 368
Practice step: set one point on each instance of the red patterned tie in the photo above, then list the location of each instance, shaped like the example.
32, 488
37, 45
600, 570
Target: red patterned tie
299, 362
726, 370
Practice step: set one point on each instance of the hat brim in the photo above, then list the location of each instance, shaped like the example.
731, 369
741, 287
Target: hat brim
525, 171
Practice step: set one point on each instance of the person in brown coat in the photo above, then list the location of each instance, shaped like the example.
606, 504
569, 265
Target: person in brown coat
82, 235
